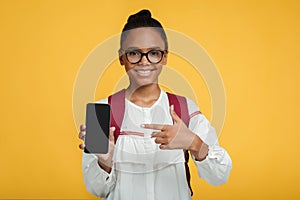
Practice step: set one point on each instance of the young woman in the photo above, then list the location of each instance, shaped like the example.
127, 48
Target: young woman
147, 160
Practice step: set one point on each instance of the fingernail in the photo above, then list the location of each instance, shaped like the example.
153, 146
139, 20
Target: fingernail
172, 107
143, 125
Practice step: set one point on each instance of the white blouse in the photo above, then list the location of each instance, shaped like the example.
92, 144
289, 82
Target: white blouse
141, 170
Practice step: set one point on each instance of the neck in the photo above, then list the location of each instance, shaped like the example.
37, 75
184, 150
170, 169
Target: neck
144, 95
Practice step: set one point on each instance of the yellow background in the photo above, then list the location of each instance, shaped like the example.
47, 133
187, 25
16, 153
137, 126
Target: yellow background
255, 45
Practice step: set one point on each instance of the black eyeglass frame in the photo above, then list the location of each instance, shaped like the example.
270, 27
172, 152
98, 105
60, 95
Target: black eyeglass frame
145, 54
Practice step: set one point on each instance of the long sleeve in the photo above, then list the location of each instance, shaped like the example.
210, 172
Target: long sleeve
216, 167
97, 181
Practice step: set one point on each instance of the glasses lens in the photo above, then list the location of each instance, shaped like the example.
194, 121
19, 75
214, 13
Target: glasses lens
155, 56
133, 56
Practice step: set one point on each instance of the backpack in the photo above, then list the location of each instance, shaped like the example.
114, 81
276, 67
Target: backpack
117, 103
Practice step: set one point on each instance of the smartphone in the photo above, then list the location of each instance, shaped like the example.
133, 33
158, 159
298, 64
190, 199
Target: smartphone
97, 128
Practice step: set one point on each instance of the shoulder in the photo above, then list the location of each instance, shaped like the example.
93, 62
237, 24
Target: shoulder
191, 105
116, 96
105, 100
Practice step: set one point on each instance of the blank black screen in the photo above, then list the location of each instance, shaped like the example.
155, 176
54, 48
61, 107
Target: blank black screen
97, 128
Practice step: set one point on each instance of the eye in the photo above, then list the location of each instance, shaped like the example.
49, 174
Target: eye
133, 53
155, 53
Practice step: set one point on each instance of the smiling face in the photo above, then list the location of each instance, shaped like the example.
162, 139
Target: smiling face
143, 39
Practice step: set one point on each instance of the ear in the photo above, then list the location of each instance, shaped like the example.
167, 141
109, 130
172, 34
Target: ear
121, 56
165, 58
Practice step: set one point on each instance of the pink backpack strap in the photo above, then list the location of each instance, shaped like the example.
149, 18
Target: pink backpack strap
117, 105
181, 109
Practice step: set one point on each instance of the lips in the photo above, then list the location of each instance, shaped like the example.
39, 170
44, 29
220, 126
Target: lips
144, 72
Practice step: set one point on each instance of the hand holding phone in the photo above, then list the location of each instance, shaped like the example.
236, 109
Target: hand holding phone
104, 160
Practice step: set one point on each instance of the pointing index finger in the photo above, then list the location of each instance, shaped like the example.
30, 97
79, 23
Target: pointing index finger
154, 126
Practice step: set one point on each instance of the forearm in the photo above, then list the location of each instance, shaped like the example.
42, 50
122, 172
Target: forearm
213, 162
97, 181
215, 169
198, 148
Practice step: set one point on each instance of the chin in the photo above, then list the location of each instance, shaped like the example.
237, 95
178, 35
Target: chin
142, 83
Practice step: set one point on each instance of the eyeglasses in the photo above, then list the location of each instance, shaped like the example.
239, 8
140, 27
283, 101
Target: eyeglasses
153, 56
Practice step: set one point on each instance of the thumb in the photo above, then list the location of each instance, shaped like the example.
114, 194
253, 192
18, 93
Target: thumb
173, 114
111, 134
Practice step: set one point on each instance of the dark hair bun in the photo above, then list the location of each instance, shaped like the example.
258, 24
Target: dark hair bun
143, 19
144, 14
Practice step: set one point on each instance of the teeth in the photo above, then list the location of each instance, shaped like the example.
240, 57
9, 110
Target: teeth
143, 72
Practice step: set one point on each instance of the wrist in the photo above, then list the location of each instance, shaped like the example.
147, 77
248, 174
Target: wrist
198, 148
195, 144
104, 167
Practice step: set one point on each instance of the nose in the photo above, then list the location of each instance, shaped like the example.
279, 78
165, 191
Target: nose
144, 60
